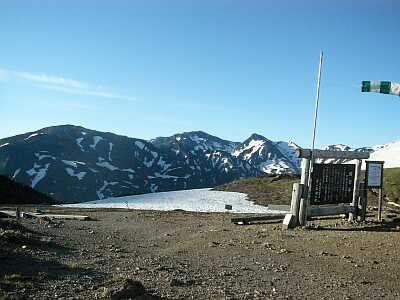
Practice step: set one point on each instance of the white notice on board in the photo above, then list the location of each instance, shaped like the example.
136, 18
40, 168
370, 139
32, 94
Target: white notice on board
374, 174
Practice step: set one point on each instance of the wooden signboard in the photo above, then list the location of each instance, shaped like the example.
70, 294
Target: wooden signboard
332, 184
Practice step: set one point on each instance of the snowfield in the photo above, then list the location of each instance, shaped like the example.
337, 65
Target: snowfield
199, 200
389, 153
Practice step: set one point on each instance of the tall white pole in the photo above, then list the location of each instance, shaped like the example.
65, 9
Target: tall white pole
321, 57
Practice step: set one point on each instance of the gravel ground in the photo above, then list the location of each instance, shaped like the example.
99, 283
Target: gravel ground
181, 255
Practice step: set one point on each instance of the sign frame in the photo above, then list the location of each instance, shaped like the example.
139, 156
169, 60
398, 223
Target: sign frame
369, 174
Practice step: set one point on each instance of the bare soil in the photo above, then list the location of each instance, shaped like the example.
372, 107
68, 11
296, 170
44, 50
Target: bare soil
182, 255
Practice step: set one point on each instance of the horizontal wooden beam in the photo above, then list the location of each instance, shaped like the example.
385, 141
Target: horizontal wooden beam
326, 154
250, 219
329, 210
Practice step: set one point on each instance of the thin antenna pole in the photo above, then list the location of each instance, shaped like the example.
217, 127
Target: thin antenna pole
321, 57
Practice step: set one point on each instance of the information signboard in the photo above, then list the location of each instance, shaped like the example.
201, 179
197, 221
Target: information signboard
332, 184
374, 174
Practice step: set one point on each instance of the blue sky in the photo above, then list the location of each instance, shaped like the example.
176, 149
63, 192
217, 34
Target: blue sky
230, 68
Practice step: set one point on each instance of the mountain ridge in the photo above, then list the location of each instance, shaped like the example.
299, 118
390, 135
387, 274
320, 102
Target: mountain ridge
74, 164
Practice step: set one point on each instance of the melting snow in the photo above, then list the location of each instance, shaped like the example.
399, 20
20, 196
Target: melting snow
78, 142
16, 173
42, 156
254, 145
111, 145
106, 164
153, 188
148, 164
38, 173
139, 144
96, 140
200, 200
105, 185
72, 173
32, 135
73, 163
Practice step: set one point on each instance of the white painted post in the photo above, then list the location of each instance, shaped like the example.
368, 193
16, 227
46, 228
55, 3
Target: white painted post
356, 191
305, 169
295, 204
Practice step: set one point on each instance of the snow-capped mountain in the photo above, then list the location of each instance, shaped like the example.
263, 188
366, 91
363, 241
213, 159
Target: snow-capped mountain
74, 164
268, 156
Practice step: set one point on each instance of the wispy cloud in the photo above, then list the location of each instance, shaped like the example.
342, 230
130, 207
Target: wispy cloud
62, 84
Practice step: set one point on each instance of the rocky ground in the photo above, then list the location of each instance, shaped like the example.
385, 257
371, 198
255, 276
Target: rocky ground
182, 255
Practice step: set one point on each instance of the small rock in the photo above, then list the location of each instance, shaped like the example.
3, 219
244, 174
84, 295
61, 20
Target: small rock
128, 288
179, 282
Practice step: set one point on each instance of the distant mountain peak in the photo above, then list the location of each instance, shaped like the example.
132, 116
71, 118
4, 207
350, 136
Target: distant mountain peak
256, 136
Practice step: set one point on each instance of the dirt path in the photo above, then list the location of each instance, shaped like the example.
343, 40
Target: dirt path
180, 255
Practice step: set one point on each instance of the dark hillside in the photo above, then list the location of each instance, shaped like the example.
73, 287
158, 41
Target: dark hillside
12, 192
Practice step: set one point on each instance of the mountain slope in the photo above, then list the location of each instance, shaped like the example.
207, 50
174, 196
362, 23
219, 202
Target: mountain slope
74, 164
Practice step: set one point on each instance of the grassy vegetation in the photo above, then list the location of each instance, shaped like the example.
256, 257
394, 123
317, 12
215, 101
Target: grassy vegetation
391, 181
267, 189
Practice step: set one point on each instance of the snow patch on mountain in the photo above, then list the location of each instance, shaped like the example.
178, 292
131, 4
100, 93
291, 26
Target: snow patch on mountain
78, 142
71, 172
100, 192
32, 135
140, 145
96, 140
73, 163
38, 172
254, 146
106, 164
110, 147
16, 173
43, 156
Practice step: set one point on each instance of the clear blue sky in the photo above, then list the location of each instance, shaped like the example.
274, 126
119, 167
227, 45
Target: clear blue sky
230, 68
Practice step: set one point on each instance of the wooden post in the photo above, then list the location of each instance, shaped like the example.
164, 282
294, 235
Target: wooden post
354, 203
364, 202
295, 204
380, 205
305, 169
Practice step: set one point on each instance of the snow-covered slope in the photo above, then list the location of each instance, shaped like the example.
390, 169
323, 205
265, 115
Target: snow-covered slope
200, 200
389, 153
